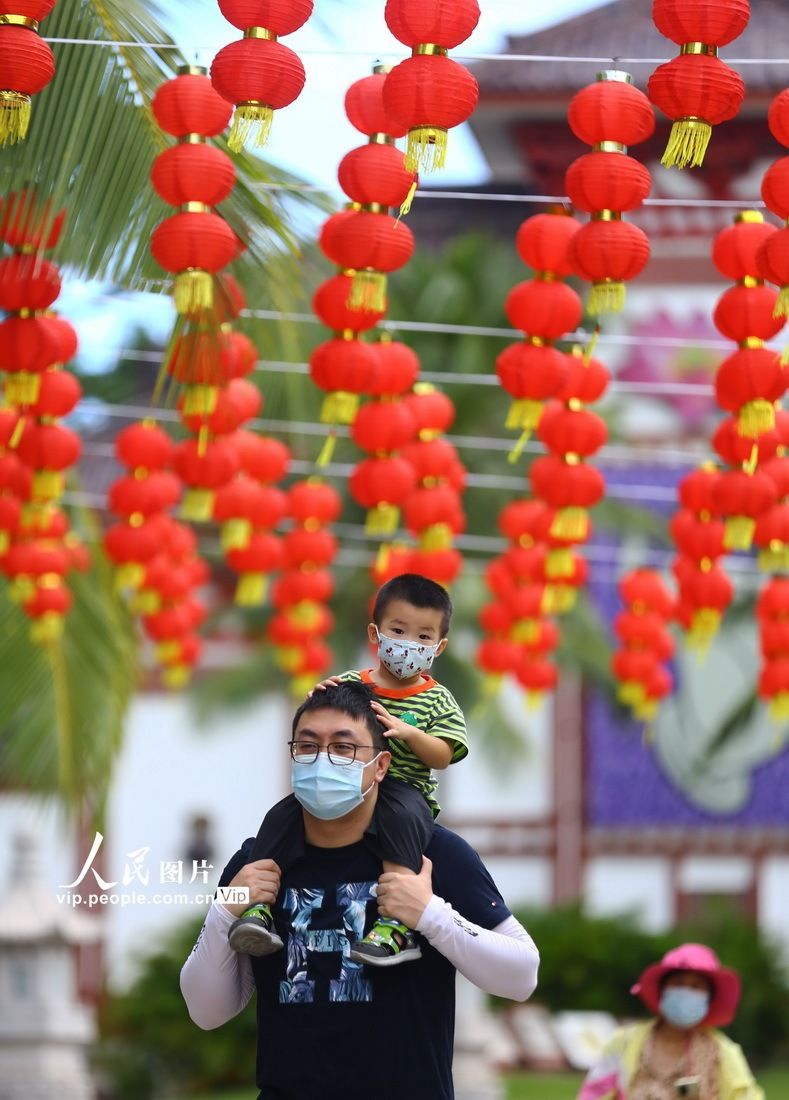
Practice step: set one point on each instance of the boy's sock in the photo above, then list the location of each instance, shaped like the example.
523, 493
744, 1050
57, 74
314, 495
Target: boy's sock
388, 943
254, 933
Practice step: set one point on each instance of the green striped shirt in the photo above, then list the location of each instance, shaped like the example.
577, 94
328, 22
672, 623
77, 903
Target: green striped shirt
429, 707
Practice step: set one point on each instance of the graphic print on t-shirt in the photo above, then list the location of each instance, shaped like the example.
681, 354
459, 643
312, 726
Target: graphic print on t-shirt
301, 908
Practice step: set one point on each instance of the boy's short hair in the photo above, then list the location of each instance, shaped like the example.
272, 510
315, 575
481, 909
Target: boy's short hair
417, 590
348, 697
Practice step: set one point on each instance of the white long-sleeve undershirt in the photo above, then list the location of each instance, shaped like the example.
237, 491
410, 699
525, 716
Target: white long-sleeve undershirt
217, 983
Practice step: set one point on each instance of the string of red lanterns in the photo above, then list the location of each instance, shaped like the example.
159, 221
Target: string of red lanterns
259, 74
645, 645
697, 90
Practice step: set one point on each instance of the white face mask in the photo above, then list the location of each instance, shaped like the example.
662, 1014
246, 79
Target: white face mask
404, 658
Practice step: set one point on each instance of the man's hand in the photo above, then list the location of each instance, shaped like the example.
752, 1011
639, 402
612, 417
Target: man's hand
330, 681
262, 877
405, 897
395, 727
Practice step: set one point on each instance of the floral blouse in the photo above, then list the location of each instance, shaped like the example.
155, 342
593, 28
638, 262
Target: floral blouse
700, 1060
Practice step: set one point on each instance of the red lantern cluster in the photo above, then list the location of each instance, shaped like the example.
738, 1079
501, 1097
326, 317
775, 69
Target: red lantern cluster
195, 243
772, 613
366, 238
302, 619
545, 308
771, 535
429, 93
248, 509
259, 74
609, 115
773, 254
698, 530
645, 645
26, 64
751, 380
37, 548
697, 90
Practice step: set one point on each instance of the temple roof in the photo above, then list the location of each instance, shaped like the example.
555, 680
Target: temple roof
624, 29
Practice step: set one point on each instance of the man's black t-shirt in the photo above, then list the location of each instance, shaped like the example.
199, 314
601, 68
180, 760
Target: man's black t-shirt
331, 1029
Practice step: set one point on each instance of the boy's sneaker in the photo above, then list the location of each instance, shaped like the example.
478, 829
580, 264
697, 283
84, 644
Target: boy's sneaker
253, 933
388, 943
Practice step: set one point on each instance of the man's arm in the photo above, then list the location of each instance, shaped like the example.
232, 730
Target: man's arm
216, 982
502, 960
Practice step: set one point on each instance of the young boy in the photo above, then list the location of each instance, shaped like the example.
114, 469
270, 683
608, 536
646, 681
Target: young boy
425, 729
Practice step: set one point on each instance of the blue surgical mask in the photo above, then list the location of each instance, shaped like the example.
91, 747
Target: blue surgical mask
327, 790
684, 1008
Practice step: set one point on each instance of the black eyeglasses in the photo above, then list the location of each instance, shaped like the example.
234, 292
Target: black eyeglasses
340, 753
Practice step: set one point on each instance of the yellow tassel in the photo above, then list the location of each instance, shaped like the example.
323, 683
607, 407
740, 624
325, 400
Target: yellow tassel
168, 652
517, 450
300, 685
606, 297
305, 614
48, 485
559, 599
524, 414
194, 292
739, 532
590, 347
571, 525
288, 657
534, 700
145, 602
436, 537
339, 407
631, 693
781, 308
559, 563
236, 534
368, 291
18, 432
756, 418
5, 543
200, 400
775, 558
21, 589
327, 450
784, 360
525, 631
22, 388
703, 627
492, 683
779, 707
251, 122
426, 149
198, 505
382, 520
47, 628
129, 575
687, 143
15, 110
176, 677
647, 710
251, 589
405, 209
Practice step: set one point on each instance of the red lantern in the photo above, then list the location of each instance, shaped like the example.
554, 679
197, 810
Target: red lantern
380, 485
330, 304
433, 411
265, 460
259, 74
203, 470
144, 446
645, 592
244, 505
748, 383
434, 514
27, 65
193, 173
262, 555
774, 688
342, 369
382, 427
607, 181
736, 249
543, 242
698, 539
49, 450
532, 375
611, 109
193, 247
537, 676
544, 309
372, 245
27, 282
309, 549
742, 498
364, 106
396, 369
771, 536
429, 93
566, 430
313, 503
570, 488
747, 312
587, 378
608, 254
298, 587
375, 173
48, 608
697, 90
188, 104
441, 566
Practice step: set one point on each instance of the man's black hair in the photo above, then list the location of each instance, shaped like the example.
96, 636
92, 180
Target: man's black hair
417, 590
351, 698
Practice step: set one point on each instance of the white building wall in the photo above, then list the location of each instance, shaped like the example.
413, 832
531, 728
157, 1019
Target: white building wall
641, 886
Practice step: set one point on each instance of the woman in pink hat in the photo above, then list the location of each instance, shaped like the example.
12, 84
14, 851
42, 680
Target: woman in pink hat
679, 1053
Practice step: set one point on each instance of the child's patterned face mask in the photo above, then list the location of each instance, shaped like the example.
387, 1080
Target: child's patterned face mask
403, 658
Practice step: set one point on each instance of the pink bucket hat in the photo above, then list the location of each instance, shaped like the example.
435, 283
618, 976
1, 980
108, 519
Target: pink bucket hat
694, 956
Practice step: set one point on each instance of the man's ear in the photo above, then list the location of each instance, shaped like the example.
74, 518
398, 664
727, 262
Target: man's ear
372, 634
382, 765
